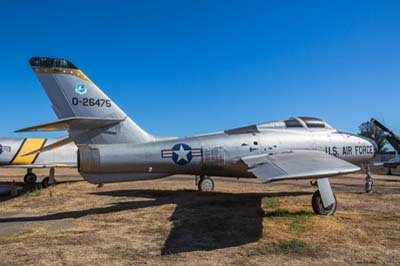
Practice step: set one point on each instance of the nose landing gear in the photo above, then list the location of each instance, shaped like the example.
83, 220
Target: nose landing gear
369, 182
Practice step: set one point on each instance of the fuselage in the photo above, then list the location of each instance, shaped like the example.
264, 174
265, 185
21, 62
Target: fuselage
216, 154
13, 153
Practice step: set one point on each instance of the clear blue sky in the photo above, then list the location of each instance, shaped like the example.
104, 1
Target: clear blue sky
186, 67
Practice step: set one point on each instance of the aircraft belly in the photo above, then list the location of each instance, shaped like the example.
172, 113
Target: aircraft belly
120, 177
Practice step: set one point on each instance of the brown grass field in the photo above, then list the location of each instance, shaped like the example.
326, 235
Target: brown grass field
167, 222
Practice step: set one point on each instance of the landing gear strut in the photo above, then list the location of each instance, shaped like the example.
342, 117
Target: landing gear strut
369, 182
49, 180
205, 184
30, 178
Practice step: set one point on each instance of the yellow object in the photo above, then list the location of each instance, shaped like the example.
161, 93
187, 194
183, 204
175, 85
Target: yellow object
73, 72
27, 146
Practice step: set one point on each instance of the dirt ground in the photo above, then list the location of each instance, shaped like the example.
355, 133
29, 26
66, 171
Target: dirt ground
167, 222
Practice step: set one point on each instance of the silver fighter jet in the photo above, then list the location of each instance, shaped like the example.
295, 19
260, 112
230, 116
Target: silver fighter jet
113, 148
30, 153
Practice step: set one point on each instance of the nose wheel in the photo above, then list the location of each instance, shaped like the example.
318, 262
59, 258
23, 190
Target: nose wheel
205, 184
369, 184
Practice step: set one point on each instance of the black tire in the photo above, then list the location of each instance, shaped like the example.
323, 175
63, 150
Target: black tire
318, 206
30, 178
45, 182
206, 185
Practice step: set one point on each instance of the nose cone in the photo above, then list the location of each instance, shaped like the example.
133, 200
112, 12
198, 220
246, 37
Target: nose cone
373, 143
372, 147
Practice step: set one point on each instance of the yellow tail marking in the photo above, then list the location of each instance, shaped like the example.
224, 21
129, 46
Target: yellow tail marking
74, 72
28, 146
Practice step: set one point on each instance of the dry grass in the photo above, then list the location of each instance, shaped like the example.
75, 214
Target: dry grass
167, 222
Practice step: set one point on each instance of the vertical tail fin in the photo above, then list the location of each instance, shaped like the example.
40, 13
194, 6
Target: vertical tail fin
73, 94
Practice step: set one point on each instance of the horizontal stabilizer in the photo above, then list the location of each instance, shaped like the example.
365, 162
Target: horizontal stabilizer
296, 165
58, 143
72, 123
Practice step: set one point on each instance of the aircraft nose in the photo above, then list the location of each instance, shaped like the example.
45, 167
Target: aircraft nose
373, 143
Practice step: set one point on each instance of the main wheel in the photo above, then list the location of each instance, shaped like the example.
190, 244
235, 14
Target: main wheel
369, 184
318, 206
45, 182
206, 185
30, 178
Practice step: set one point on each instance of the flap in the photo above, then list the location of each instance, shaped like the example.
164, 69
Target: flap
72, 123
297, 164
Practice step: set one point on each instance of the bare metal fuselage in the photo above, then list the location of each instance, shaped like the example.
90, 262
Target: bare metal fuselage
215, 154
13, 153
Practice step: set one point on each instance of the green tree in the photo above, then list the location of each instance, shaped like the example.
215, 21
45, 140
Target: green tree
369, 130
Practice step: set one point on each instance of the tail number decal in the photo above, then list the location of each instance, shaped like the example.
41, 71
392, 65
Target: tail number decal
91, 102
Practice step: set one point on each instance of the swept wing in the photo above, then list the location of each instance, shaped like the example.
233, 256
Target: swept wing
296, 164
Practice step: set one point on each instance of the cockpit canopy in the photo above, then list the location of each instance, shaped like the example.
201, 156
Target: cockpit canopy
302, 122
309, 122
298, 122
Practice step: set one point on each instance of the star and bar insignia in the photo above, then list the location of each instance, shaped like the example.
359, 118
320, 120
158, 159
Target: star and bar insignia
181, 153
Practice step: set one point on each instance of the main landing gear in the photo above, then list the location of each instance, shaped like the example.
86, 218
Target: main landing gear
30, 178
49, 180
323, 200
204, 184
369, 182
318, 206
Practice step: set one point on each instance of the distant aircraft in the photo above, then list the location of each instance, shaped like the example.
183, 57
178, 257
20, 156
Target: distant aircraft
394, 140
112, 148
30, 153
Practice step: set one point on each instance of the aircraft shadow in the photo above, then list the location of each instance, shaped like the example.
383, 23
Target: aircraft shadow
201, 221
27, 188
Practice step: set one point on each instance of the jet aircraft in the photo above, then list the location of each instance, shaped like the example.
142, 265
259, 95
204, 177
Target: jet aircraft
394, 140
30, 153
113, 148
